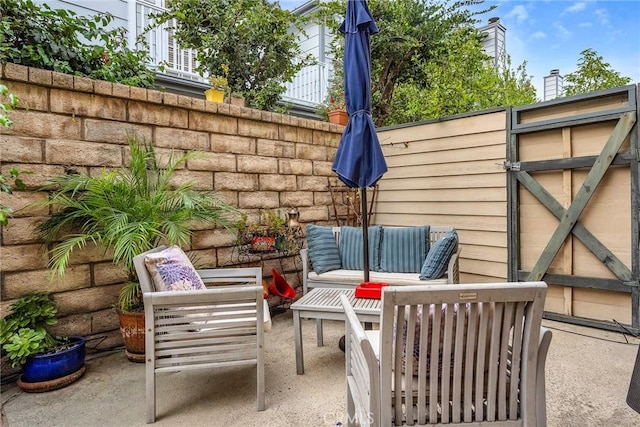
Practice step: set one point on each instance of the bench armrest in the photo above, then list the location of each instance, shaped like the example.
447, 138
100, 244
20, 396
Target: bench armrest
304, 255
453, 268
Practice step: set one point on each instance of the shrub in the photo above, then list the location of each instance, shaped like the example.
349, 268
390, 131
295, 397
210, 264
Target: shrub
23, 332
60, 40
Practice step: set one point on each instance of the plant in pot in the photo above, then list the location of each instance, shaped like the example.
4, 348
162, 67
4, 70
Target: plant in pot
269, 234
128, 210
47, 362
219, 86
334, 106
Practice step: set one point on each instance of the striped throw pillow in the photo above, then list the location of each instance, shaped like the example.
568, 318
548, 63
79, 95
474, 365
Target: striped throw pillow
323, 249
438, 257
404, 249
351, 247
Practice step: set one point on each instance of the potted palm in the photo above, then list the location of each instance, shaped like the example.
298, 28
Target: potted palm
48, 362
128, 210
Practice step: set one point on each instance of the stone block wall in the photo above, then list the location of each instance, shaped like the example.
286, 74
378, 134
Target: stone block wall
254, 159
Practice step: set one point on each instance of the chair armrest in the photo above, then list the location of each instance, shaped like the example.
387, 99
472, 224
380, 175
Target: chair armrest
543, 348
203, 297
304, 256
363, 369
453, 268
251, 275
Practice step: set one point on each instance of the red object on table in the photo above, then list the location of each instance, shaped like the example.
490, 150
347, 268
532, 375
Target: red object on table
372, 290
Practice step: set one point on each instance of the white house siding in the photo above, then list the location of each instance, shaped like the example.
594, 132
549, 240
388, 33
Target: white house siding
118, 8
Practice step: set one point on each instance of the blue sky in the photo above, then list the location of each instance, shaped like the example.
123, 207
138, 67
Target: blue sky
550, 34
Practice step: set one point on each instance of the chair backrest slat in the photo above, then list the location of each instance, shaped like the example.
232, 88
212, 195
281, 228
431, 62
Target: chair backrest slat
478, 362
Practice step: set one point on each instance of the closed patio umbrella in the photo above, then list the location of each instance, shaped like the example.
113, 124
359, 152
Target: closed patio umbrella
359, 162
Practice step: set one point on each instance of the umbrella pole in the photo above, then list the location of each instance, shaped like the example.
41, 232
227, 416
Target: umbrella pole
365, 232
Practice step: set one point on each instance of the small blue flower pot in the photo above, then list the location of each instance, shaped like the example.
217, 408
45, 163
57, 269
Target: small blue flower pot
46, 367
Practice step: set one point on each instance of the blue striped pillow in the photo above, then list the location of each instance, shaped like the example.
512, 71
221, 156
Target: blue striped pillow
404, 249
438, 257
323, 249
351, 248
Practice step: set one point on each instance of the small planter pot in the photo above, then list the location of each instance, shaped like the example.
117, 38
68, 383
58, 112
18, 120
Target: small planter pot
235, 100
339, 117
47, 367
214, 95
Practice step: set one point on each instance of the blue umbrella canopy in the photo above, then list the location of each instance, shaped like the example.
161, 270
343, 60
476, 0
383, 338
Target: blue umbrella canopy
359, 162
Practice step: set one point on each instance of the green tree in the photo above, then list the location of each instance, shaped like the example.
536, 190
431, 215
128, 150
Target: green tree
592, 74
461, 79
60, 40
251, 37
412, 34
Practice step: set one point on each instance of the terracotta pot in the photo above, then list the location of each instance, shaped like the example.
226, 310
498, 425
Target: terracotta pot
214, 95
339, 117
132, 330
235, 100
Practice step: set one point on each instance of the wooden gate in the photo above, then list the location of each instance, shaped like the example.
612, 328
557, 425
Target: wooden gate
573, 205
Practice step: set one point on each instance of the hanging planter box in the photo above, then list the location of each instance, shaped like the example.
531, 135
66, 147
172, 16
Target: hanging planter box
263, 243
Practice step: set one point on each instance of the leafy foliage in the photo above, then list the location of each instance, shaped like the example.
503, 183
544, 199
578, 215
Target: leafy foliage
412, 34
592, 74
251, 37
9, 102
335, 99
23, 332
60, 40
271, 223
462, 79
129, 210
6, 186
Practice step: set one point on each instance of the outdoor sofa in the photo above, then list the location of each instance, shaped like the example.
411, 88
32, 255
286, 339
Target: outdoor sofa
397, 256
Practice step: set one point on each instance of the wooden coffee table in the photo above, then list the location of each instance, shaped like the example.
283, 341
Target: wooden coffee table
324, 303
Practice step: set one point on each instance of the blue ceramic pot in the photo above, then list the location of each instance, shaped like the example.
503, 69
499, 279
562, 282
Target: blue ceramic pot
46, 367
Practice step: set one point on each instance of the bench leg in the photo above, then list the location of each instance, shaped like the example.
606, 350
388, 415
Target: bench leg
319, 332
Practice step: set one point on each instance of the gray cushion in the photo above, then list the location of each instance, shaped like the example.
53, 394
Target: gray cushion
351, 247
435, 264
404, 249
323, 249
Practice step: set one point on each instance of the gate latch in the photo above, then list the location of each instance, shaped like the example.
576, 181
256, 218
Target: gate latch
514, 166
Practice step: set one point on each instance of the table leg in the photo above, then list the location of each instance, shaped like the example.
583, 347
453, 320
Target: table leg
297, 331
319, 332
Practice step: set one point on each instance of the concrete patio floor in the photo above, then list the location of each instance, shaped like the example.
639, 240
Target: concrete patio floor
588, 373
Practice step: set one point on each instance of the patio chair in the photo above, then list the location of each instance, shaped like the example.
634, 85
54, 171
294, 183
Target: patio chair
203, 329
483, 342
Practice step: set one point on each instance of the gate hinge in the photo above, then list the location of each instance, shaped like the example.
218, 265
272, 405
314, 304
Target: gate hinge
514, 166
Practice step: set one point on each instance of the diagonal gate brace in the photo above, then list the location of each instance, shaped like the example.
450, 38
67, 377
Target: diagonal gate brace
595, 175
607, 257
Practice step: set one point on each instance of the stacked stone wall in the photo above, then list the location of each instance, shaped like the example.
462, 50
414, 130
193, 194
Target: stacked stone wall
254, 159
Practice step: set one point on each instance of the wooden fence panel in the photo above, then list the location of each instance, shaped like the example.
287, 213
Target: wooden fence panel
573, 205
449, 172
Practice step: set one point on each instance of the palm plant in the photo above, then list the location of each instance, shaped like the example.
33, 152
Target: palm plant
128, 210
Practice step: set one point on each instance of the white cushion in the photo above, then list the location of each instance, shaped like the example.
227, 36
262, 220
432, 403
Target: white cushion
355, 277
